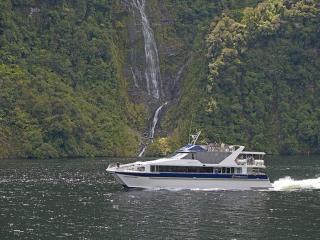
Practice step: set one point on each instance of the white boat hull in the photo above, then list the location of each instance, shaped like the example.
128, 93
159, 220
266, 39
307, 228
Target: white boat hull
147, 182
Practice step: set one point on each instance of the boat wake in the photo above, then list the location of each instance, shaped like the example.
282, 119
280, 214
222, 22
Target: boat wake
289, 184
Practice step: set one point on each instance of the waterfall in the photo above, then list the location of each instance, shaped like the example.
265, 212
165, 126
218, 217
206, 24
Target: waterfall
152, 69
142, 151
134, 78
154, 124
155, 120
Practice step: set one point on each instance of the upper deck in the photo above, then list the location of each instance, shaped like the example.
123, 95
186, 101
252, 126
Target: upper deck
217, 153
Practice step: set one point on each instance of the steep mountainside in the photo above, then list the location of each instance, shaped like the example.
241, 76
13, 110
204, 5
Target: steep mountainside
264, 79
80, 77
62, 90
260, 81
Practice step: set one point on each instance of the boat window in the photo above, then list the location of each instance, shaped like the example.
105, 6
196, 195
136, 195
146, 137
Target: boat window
141, 169
217, 170
189, 156
227, 170
186, 169
258, 170
193, 169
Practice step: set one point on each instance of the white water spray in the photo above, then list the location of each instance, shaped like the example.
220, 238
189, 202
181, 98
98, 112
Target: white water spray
289, 184
152, 71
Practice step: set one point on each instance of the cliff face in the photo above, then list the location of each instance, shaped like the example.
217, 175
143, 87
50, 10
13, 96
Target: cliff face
85, 78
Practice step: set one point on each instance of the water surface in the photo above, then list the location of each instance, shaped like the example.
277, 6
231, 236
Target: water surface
76, 199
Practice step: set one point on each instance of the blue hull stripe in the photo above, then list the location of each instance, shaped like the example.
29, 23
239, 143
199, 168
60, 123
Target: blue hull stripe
195, 175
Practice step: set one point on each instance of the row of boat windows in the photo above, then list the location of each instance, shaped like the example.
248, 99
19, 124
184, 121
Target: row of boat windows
191, 169
256, 170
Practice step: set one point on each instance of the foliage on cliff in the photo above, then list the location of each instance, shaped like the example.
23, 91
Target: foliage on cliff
252, 77
60, 77
190, 25
264, 77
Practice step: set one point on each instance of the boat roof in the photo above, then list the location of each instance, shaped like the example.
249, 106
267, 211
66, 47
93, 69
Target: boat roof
192, 148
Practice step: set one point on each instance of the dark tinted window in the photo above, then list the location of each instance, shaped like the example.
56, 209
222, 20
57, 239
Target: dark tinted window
227, 170
183, 169
188, 169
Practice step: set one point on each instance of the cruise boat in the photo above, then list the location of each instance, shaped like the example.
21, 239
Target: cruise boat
194, 166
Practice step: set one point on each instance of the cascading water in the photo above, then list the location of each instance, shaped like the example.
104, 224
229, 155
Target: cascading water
153, 127
155, 120
142, 151
134, 78
152, 68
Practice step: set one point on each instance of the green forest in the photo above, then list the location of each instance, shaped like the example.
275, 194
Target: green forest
61, 93
264, 79
251, 76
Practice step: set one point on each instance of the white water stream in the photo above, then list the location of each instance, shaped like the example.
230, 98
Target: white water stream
153, 127
142, 151
134, 78
155, 120
152, 69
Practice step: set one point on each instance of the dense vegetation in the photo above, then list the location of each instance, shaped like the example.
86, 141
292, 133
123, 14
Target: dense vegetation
264, 79
252, 76
262, 82
60, 79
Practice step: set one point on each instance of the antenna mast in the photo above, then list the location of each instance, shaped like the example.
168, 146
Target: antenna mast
195, 137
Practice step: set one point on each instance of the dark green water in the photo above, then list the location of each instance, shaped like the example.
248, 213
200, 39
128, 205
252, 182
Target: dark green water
76, 199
